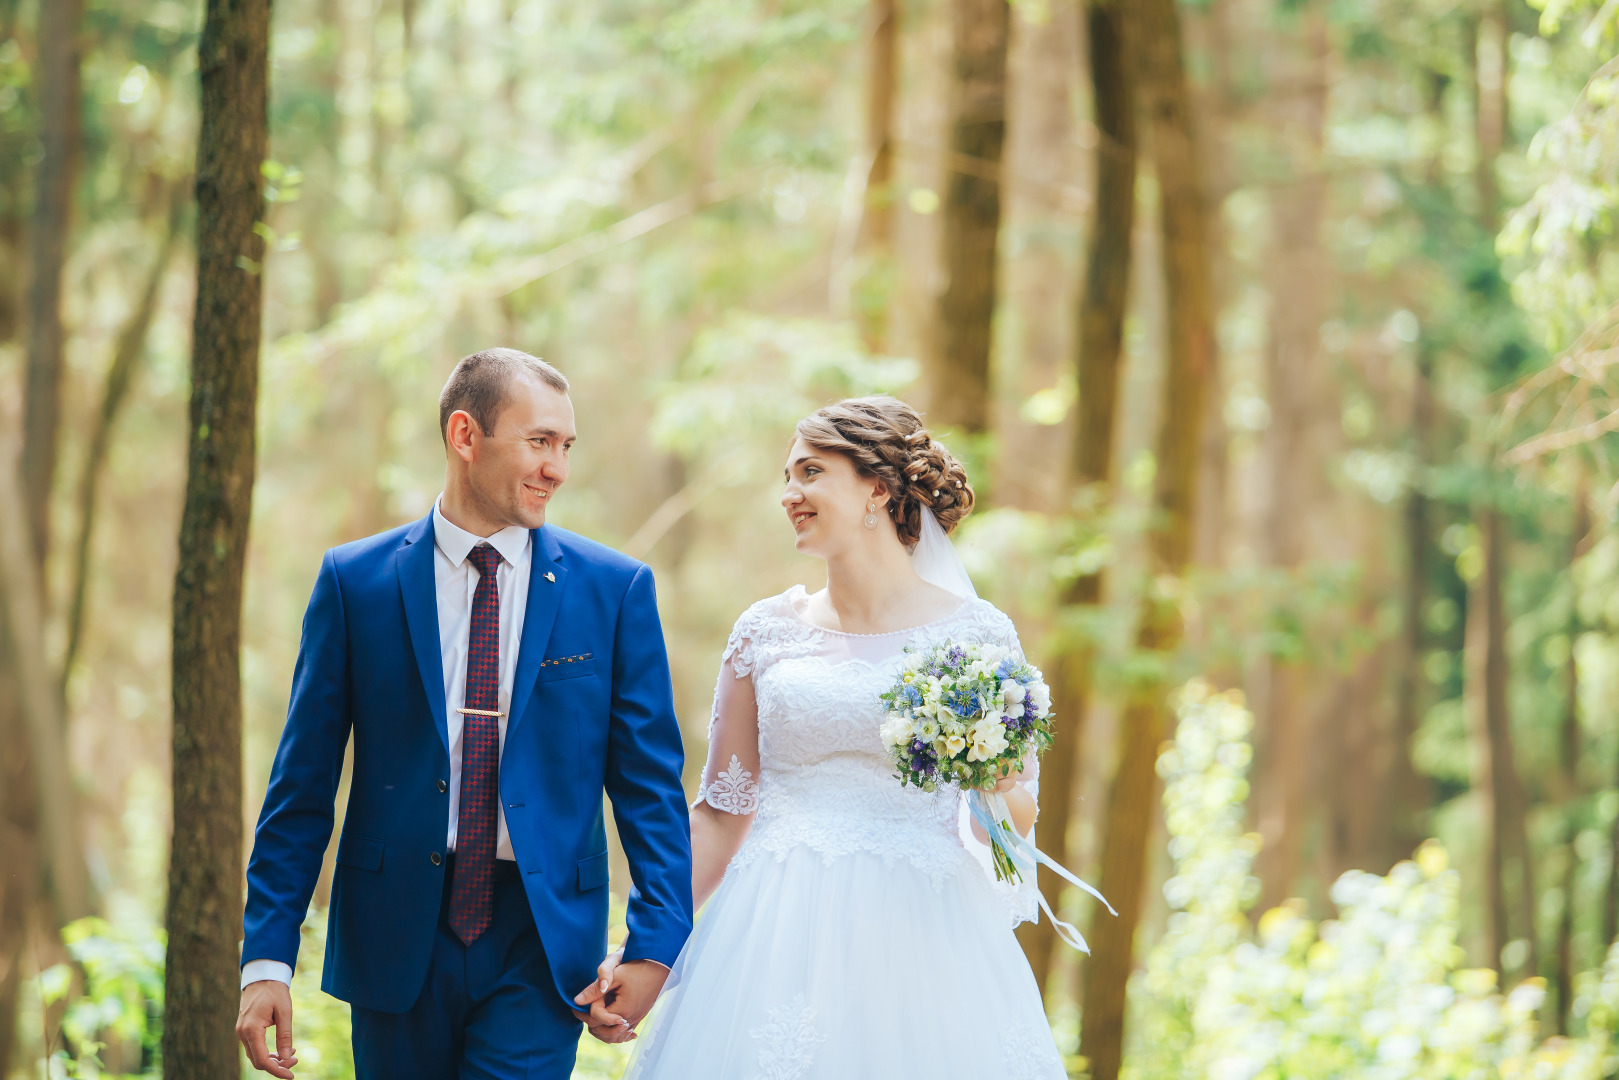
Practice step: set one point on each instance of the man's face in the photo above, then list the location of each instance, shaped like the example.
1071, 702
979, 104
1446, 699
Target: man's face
514, 470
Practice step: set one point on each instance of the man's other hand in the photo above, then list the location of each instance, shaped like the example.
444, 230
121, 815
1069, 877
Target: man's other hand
267, 1004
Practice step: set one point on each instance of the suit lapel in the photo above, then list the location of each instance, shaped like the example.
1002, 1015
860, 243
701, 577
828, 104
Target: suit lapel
414, 562
544, 599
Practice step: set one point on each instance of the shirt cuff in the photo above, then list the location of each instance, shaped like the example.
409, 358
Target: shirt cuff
265, 971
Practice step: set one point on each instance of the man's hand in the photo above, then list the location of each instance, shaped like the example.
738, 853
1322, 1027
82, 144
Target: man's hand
630, 989
267, 1004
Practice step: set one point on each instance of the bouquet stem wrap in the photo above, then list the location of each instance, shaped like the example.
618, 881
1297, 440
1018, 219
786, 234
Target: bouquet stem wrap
1015, 857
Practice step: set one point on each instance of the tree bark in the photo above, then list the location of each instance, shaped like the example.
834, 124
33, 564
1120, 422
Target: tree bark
53, 203
1495, 774
1409, 790
1298, 268
126, 357
882, 68
41, 709
19, 829
1191, 347
1099, 349
205, 863
959, 386
1563, 977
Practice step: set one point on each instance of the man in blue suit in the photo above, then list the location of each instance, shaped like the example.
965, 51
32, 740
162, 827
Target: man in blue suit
496, 674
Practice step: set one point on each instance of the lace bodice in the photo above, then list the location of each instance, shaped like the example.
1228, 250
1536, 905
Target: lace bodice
795, 740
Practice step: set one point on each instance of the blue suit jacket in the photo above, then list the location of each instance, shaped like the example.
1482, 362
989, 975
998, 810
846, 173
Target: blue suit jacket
591, 708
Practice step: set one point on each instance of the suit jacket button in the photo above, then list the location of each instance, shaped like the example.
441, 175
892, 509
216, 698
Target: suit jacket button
442, 786
435, 858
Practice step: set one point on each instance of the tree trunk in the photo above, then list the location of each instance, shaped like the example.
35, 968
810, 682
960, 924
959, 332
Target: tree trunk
1409, 790
862, 270
1298, 269
1496, 778
882, 66
205, 862
958, 396
19, 828
1099, 347
125, 358
1132, 800
1490, 78
53, 203
1570, 780
41, 709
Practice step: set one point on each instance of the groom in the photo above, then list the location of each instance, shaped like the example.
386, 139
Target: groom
496, 674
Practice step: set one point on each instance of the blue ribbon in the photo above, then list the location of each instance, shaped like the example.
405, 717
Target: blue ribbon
1026, 857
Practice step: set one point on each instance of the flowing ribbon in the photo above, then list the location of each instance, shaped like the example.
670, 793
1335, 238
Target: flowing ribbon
989, 810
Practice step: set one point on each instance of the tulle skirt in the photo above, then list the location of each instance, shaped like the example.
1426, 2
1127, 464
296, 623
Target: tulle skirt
804, 968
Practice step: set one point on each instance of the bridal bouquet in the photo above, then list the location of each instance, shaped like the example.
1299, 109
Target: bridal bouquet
969, 714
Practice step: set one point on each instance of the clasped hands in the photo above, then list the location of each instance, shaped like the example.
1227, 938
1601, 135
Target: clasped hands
620, 997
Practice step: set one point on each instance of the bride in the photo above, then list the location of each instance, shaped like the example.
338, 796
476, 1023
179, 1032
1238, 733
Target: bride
849, 930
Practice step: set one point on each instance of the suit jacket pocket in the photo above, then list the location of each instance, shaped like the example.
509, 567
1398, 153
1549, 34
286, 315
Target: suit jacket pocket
558, 668
593, 872
360, 852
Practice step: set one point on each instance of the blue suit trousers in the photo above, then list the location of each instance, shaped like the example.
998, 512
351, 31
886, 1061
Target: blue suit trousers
488, 1011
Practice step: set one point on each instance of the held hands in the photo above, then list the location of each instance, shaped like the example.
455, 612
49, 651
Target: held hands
267, 1004
620, 997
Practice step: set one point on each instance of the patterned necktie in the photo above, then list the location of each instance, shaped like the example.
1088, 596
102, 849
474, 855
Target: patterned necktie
472, 893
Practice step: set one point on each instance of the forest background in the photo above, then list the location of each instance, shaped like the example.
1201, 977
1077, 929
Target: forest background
1276, 332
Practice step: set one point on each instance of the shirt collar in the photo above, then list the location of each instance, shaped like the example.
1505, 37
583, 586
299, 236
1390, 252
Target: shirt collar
457, 543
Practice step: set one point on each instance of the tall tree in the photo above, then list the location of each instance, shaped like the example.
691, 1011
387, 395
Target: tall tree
1495, 773
1297, 272
958, 391
1132, 799
1495, 769
1098, 349
882, 70
120, 374
1409, 793
1569, 778
59, 28
205, 860
21, 612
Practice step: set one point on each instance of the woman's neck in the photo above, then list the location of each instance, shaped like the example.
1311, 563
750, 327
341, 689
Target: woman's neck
876, 590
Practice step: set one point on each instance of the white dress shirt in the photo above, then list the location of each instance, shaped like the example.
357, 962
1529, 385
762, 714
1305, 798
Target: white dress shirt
456, 580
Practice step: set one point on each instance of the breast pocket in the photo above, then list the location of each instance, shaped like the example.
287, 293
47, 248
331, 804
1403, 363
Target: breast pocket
560, 668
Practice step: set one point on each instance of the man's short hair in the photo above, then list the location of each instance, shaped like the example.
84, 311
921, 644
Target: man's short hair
478, 385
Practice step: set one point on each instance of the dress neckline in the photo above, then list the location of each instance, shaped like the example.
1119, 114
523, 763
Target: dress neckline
798, 592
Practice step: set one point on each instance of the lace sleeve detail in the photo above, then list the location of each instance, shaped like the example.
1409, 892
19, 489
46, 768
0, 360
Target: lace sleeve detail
733, 791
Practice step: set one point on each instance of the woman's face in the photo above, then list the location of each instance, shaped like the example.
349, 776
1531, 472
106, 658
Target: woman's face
826, 499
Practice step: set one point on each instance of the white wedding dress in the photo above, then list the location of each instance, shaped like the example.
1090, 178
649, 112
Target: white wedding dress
854, 934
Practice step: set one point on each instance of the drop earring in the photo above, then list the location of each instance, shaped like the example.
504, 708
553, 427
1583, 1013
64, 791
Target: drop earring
870, 520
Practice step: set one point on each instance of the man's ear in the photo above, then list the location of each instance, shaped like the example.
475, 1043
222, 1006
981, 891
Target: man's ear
460, 434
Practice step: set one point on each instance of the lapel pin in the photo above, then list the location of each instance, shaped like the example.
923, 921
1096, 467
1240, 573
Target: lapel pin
552, 578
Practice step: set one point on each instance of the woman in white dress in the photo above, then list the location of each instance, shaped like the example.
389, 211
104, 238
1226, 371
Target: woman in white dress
849, 931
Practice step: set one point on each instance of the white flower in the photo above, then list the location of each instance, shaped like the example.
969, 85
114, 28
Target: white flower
1040, 695
928, 729
953, 726
1012, 695
913, 662
978, 669
897, 731
988, 739
953, 745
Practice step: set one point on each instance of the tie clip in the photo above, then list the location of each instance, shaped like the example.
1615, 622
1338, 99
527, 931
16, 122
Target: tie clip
479, 712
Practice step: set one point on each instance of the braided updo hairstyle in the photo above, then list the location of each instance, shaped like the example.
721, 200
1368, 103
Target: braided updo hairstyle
885, 439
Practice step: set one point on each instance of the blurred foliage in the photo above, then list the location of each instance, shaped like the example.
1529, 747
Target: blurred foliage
1381, 991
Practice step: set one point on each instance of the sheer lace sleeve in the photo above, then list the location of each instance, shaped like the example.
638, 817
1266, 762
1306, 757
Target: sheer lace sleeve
731, 776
